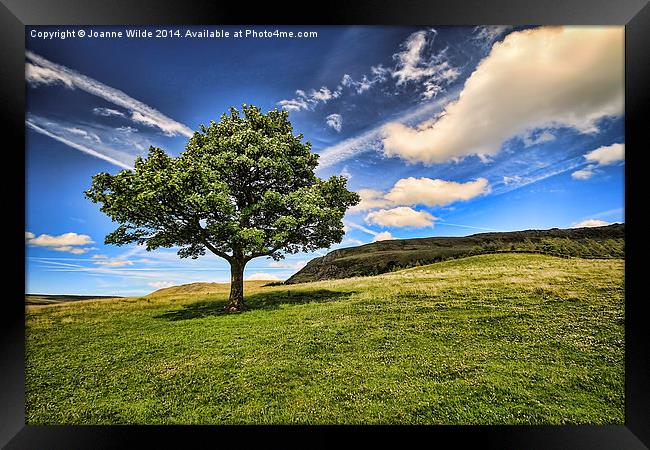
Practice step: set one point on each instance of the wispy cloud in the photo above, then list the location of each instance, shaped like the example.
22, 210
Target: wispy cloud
107, 112
608, 213
443, 223
418, 62
334, 121
62, 134
361, 228
534, 175
40, 71
485, 35
376, 235
378, 74
309, 100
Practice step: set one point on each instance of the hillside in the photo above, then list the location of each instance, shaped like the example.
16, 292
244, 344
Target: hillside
203, 288
385, 256
49, 299
489, 339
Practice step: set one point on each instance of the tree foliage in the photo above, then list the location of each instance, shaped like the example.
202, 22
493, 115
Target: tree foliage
243, 187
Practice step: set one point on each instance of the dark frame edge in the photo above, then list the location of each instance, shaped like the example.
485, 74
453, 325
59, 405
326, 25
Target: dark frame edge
12, 393
637, 99
12, 376
634, 434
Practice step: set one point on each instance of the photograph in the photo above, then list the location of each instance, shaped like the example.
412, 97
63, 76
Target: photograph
325, 225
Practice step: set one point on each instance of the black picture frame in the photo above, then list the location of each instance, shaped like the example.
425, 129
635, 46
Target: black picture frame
634, 14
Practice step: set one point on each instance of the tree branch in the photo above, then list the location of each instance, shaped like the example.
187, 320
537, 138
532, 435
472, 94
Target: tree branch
270, 252
208, 245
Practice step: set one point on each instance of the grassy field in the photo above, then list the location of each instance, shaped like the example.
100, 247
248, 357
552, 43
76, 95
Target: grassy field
491, 339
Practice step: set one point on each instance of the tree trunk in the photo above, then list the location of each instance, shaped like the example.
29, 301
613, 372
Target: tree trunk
236, 301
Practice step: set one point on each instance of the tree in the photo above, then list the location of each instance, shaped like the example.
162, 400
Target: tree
243, 188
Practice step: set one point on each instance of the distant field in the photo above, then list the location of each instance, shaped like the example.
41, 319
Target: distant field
47, 299
490, 339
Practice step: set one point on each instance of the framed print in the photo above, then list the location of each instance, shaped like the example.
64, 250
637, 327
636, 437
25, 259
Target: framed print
385, 219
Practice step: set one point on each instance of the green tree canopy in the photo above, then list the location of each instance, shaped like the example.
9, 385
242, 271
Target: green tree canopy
244, 187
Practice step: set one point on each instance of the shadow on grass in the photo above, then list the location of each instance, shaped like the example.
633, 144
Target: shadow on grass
259, 301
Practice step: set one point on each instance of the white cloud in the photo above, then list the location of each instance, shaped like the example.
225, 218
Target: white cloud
334, 121
262, 276
67, 242
107, 112
418, 62
45, 240
296, 265
400, 217
435, 192
421, 191
606, 155
160, 284
590, 223
295, 104
584, 174
602, 156
383, 236
308, 101
324, 94
540, 78
99, 256
41, 71
370, 199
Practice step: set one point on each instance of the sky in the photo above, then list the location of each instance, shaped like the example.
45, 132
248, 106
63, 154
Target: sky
443, 131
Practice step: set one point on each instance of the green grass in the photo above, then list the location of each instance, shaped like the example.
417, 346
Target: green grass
491, 339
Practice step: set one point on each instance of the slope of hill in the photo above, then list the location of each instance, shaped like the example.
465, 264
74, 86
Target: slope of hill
48, 299
386, 256
203, 288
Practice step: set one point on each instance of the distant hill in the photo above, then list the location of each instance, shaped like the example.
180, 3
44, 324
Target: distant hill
47, 299
203, 288
386, 256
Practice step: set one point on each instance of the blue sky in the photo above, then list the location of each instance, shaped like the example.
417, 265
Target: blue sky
444, 131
